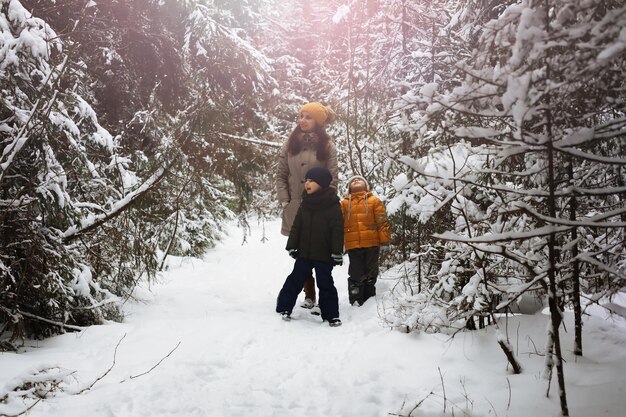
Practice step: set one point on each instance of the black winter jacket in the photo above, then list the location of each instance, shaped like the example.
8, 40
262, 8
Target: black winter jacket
317, 230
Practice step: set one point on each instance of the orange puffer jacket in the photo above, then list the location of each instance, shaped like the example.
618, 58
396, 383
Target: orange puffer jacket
365, 221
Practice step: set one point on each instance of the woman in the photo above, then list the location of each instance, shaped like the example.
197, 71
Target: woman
308, 146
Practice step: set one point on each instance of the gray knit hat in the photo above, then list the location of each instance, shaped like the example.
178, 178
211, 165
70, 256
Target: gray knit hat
367, 185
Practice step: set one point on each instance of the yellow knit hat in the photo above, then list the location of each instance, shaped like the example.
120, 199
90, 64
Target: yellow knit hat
320, 113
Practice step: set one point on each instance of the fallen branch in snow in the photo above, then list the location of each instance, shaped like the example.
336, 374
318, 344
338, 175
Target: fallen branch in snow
536, 352
36, 386
508, 404
158, 363
469, 403
25, 411
445, 400
414, 408
443, 388
492, 407
108, 370
7, 346
56, 323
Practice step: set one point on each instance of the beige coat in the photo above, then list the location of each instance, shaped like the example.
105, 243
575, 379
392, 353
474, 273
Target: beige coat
290, 176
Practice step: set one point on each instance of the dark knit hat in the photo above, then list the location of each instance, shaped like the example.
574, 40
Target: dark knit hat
322, 176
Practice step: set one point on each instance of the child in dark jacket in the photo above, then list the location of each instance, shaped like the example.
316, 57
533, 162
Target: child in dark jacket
315, 242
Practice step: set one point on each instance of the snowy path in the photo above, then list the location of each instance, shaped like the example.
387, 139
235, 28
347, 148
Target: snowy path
237, 358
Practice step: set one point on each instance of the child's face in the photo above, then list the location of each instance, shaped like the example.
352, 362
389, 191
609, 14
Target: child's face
357, 185
306, 122
311, 186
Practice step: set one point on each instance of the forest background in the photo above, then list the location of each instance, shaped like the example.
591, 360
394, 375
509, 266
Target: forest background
493, 130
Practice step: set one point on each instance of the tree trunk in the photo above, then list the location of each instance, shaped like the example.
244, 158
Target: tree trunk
508, 351
553, 298
578, 316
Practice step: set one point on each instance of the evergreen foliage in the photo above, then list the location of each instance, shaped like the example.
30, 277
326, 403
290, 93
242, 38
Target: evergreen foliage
493, 130
117, 126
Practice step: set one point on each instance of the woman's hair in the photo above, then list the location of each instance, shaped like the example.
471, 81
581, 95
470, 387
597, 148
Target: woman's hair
294, 145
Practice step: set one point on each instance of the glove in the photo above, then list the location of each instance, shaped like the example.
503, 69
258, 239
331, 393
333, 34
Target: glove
293, 253
337, 259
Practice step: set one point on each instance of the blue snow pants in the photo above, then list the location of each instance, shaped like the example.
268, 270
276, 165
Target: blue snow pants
328, 299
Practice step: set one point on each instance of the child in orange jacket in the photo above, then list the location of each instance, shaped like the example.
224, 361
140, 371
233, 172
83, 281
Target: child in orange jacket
365, 230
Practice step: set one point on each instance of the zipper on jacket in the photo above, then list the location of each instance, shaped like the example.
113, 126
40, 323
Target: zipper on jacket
311, 234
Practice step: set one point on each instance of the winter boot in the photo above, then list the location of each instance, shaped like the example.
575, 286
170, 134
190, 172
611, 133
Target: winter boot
369, 289
309, 289
334, 322
355, 292
308, 303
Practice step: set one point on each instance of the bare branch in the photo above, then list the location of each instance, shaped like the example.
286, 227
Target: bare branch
108, 370
158, 363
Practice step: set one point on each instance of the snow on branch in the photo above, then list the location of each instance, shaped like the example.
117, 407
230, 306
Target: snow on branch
93, 222
604, 267
252, 140
593, 157
593, 221
503, 237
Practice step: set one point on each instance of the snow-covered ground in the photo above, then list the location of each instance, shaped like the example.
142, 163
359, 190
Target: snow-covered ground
205, 341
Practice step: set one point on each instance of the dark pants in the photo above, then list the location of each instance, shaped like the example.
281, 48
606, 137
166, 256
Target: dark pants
362, 273
328, 299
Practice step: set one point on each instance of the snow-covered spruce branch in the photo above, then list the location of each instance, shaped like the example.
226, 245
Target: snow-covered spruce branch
539, 279
586, 258
94, 222
37, 386
518, 259
591, 222
22, 136
593, 157
484, 80
252, 140
417, 167
96, 305
535, 192
612, 308
613, 129
11, 150
503, 237
55, 323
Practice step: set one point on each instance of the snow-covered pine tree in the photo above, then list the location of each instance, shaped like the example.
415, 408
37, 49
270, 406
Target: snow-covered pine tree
104, 210
541, 111
229, 74
58, 164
